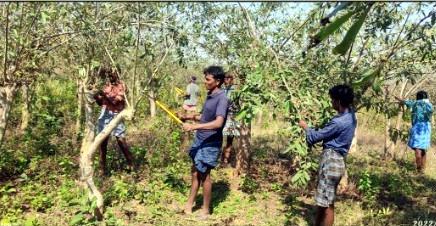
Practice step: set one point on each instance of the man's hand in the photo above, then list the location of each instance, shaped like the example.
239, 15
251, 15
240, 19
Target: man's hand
399, 99
98, 97
188, 127
303, 124
187, 116
183, 116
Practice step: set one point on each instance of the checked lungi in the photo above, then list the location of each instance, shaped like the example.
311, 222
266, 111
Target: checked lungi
331, 170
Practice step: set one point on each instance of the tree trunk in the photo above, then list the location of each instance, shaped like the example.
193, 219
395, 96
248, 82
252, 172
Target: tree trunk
393, 144
7, 94
25, 112
152, 103
243, 154
397, 129
260, 117
79, 114
388, 141
90, 145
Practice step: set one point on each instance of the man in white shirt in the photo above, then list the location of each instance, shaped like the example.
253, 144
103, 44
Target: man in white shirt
192, 93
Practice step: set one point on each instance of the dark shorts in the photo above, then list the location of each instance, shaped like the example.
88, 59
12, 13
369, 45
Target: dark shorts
205, 156
331, 170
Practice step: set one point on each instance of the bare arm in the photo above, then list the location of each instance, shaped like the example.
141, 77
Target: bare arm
215, 124
401, 101
195, 117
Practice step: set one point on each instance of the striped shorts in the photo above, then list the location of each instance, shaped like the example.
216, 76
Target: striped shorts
331, 170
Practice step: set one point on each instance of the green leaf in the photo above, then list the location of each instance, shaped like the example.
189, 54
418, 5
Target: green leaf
334, 26
349, 38
376, 85
77, 219
46, 98
32, 221
367, 77
44, 17
241, 115
296, 177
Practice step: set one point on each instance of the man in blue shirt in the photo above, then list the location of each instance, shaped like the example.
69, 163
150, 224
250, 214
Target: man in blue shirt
208, 138
336, 136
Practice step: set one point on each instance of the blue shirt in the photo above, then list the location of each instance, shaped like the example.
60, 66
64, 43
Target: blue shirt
421, 110
337, 134
216, 105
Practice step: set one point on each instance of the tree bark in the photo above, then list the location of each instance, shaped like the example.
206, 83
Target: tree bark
393, 145
151, 98
79, 114
397, 129
7, 94
260, 118
388, 141
86, 169
243, 155
25, 112
90, 145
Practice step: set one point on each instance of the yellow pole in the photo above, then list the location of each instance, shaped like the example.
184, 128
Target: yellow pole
179, 91
169, 112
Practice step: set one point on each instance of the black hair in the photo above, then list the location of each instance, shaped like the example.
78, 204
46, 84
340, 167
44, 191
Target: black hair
343, 93
103, 71
421, 95
216, 71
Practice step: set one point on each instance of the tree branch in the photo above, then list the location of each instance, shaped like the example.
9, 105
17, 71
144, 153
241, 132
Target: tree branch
416, 86
136, 54
5, 60
293, 33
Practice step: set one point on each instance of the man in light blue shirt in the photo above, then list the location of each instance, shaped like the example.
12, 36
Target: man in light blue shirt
336, 136
192, 91
420, 133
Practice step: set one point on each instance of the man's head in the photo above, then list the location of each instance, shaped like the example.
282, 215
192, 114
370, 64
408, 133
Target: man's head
342, 96
214, 77
193, 79
421, 95
228, 78
113, 74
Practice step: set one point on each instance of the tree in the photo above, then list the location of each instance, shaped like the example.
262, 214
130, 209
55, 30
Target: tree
122, 40
251, 38
25, 54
